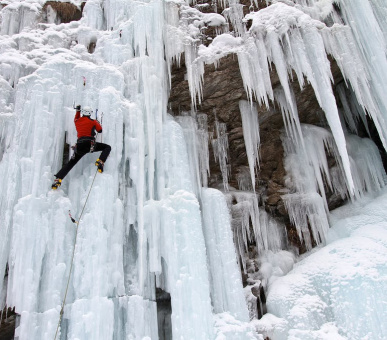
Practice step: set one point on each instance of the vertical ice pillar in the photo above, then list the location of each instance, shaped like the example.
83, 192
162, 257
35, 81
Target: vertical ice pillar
225, 277
220, 148
196, 137
177, 247
250, 126
190, 129
363, 17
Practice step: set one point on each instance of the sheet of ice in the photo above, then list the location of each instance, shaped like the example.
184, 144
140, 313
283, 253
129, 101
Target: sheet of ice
337, 292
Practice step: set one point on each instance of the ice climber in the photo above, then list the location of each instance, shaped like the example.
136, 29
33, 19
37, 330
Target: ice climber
86, 129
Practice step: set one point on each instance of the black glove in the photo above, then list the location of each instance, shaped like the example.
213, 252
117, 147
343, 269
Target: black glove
78, 108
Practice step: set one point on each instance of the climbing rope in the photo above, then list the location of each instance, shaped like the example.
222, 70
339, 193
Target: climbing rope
72, 258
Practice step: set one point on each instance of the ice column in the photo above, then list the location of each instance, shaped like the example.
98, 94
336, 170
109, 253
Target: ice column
353, 113
250, 126
363, 16
178, 253
226, 285
289, 114
196, 137
220, 148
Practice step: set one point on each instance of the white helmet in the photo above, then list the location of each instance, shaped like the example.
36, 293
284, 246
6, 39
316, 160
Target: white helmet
87, 111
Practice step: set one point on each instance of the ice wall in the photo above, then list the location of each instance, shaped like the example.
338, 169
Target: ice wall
337, 292
142, 226
148, 221
309, 178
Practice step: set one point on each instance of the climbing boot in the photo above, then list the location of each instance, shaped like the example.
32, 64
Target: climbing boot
99, 164
57, 183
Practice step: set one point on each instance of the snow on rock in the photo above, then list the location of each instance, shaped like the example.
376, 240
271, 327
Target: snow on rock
221, 46
229, 328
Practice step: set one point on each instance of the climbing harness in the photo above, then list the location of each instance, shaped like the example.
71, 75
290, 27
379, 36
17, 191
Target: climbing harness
72, 258
92, 145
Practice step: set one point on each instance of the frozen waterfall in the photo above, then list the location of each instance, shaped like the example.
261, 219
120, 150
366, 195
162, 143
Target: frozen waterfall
151, 222
143, 225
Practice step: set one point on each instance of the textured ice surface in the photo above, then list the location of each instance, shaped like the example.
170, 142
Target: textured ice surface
309, 177
251, 136
227, 295
338, 292
143, 224
142, 217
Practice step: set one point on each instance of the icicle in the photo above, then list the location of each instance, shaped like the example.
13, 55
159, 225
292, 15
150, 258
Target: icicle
204, 156
289, 114
360, 16
234, 14
220, 148
294, 42
308, 173
196, 138
250, 126
255, 70
353, 112
273, 233
307, 210
244, 179
252, 224
242, 212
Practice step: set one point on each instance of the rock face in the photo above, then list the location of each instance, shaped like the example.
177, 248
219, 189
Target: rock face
63, 12
222, 91
7, 324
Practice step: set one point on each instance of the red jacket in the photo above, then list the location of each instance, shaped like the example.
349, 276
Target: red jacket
86, 127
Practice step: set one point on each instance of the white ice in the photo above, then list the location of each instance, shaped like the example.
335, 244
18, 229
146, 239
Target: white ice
308, 177
337, 292
143, 224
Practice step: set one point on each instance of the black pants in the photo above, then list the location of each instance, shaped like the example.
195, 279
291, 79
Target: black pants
81, 149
